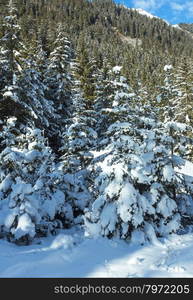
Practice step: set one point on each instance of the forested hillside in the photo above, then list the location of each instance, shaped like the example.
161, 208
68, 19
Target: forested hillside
95, 121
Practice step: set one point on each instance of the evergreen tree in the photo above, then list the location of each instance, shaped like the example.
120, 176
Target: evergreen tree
78, 140
168, 93
85, 71
102, 95
11, 67
41, 58
33, 93
115, 87
31, 204
178, 140
184, 100
133, 176
178, 128
58, 77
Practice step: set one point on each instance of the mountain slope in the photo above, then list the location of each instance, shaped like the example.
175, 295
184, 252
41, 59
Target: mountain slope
94, 23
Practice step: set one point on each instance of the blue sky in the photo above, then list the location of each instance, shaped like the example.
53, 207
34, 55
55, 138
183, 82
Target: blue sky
174, 11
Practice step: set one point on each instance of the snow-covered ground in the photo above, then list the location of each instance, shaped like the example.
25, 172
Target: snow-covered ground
70, 254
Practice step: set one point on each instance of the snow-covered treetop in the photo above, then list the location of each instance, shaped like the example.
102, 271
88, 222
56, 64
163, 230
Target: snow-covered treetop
116, 69
168, 67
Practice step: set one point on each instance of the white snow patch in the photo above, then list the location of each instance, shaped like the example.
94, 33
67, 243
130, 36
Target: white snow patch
62, 241
25, 226
177, 26
145, 13
117, 69
187, 169
168, 67
75, 256
149, 15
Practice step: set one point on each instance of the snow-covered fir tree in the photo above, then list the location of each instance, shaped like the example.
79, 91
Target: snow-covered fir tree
102, 95
33, 93
167, 94
169, 157
31, 204
41, 57
11, 66
78, 139
85, 70
134, 177
177, 133
169, 102
184, 99
58, 78
114, 88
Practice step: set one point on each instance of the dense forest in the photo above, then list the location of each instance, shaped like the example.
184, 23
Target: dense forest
95, 120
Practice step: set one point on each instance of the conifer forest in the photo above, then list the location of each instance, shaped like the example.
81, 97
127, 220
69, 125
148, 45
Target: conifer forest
96, 122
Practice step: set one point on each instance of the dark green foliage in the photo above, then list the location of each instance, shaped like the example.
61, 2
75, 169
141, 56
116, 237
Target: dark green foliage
109, 31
